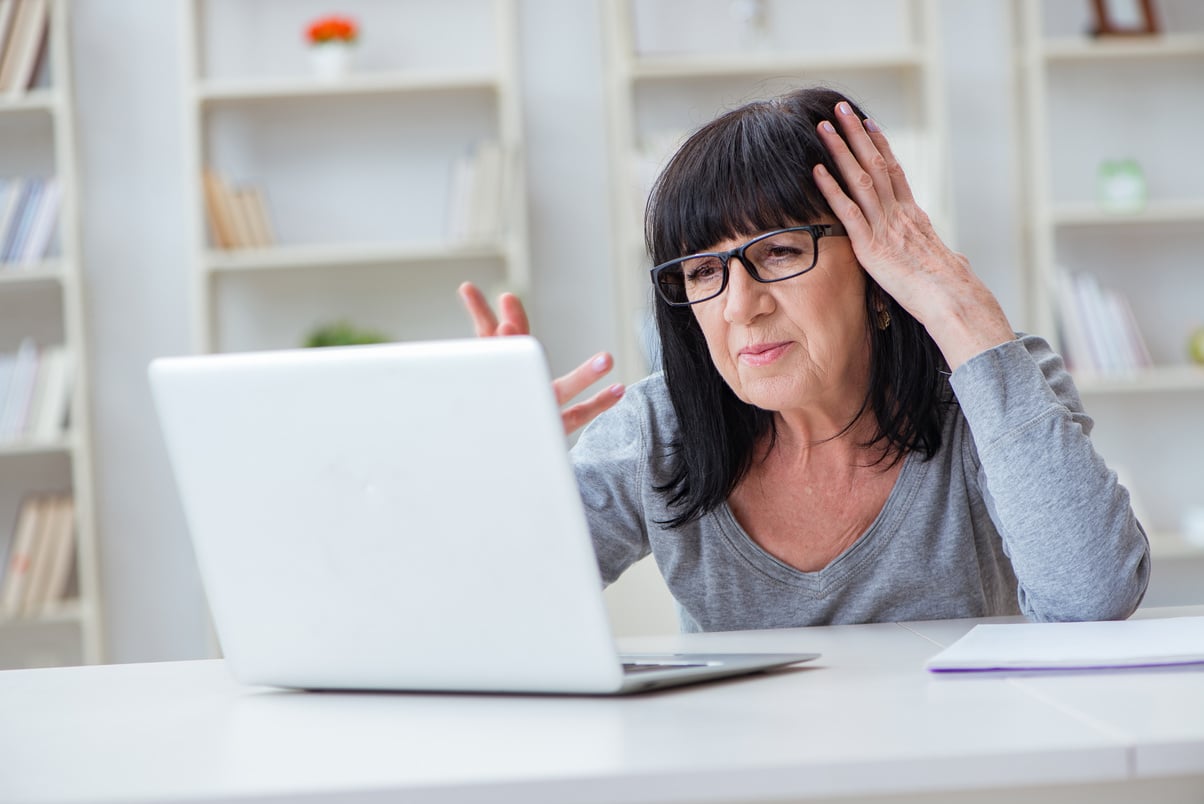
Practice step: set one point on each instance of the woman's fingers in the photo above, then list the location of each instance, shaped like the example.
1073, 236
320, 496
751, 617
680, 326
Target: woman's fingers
865, 159
898, 179
514, 317
514, 322
582, 377
482, 314
577, 381
869, 171
583, 413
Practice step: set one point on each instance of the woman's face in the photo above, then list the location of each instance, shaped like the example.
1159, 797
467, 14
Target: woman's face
795, 344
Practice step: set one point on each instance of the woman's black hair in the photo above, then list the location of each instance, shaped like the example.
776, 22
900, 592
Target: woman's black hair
749, 171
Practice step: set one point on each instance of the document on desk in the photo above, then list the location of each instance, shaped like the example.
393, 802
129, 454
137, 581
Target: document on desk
1075, 646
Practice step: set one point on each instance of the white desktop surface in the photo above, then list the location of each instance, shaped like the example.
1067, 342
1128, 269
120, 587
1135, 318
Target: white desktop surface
866, 719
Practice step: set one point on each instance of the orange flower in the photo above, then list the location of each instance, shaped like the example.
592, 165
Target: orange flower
333, 28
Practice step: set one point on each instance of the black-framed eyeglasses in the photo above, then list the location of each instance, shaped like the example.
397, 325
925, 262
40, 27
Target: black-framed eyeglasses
770, 257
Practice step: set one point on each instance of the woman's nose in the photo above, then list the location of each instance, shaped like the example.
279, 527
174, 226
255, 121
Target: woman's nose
745, 297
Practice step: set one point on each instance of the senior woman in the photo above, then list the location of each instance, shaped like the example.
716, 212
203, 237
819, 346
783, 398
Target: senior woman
846, 428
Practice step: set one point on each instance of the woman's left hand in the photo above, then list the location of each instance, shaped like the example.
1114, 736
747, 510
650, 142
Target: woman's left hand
895, 242
512, 320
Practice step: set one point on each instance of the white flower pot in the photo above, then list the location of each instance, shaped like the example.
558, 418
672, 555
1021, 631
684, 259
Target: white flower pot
331, 60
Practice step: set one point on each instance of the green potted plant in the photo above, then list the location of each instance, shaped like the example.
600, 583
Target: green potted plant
343, 333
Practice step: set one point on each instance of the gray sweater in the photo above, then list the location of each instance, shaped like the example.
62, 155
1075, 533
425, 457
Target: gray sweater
1016, 513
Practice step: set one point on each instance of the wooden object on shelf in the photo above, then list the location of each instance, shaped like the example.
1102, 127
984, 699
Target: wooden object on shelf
1124, 18
238, 216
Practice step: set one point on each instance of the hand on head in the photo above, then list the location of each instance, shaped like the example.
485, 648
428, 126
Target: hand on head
895, 242
513, 321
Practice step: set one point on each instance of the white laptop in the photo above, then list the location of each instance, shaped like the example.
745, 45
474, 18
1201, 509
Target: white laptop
397, 517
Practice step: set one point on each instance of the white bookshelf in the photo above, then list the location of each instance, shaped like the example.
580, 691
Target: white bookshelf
357, 172
1086, 100
44, 300
672, 65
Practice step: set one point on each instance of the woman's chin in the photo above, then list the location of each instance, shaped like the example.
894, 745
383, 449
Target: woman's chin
771, 393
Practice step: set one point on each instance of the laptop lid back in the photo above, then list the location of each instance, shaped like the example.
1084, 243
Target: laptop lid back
388, 517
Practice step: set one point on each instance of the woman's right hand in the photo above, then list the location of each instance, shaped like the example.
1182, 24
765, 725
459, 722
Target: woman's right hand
514, 321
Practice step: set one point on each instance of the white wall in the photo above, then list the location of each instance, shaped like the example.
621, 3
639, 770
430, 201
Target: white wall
127, 75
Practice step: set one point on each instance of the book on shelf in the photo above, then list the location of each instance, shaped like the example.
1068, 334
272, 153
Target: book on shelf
51, 560
10, 201
22, 49
51, 404
477, 193
37, 574
35, 393
8, 9
29, 209
16, 571
1099, 332
238, 215
17, 392
44, 219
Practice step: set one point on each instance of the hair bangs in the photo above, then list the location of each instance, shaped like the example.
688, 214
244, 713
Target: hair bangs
748, 171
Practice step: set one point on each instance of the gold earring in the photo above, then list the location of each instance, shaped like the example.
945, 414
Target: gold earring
883, 318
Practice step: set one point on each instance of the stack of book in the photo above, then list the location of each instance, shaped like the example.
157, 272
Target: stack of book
238, 215
29, 210
1099, 332
35, 393
477, 197
37, 572
23, 26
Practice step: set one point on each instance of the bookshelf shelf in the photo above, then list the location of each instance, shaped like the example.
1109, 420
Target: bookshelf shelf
1090, 214
35, 100
284, 258
262, 90
63, 445
41, 304
1170, 545
688, 66
1163, 46
37, 273
69, 612
1160, 379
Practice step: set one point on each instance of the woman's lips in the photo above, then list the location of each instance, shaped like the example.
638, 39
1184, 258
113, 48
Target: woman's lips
762, 354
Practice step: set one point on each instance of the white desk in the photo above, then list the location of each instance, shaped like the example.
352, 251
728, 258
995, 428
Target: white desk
864, 721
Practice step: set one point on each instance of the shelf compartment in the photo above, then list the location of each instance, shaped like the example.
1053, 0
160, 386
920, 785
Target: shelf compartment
1159, 379
63, 444
267, 89
1158, 46
68, 612
45, 271
705, 65
35, 100
284, 258
1166, 545
1090, 214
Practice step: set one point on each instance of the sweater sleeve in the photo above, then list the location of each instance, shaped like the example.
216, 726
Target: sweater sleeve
610, 461
1066, 523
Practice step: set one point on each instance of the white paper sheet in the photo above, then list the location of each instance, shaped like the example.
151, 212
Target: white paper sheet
1034, 646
